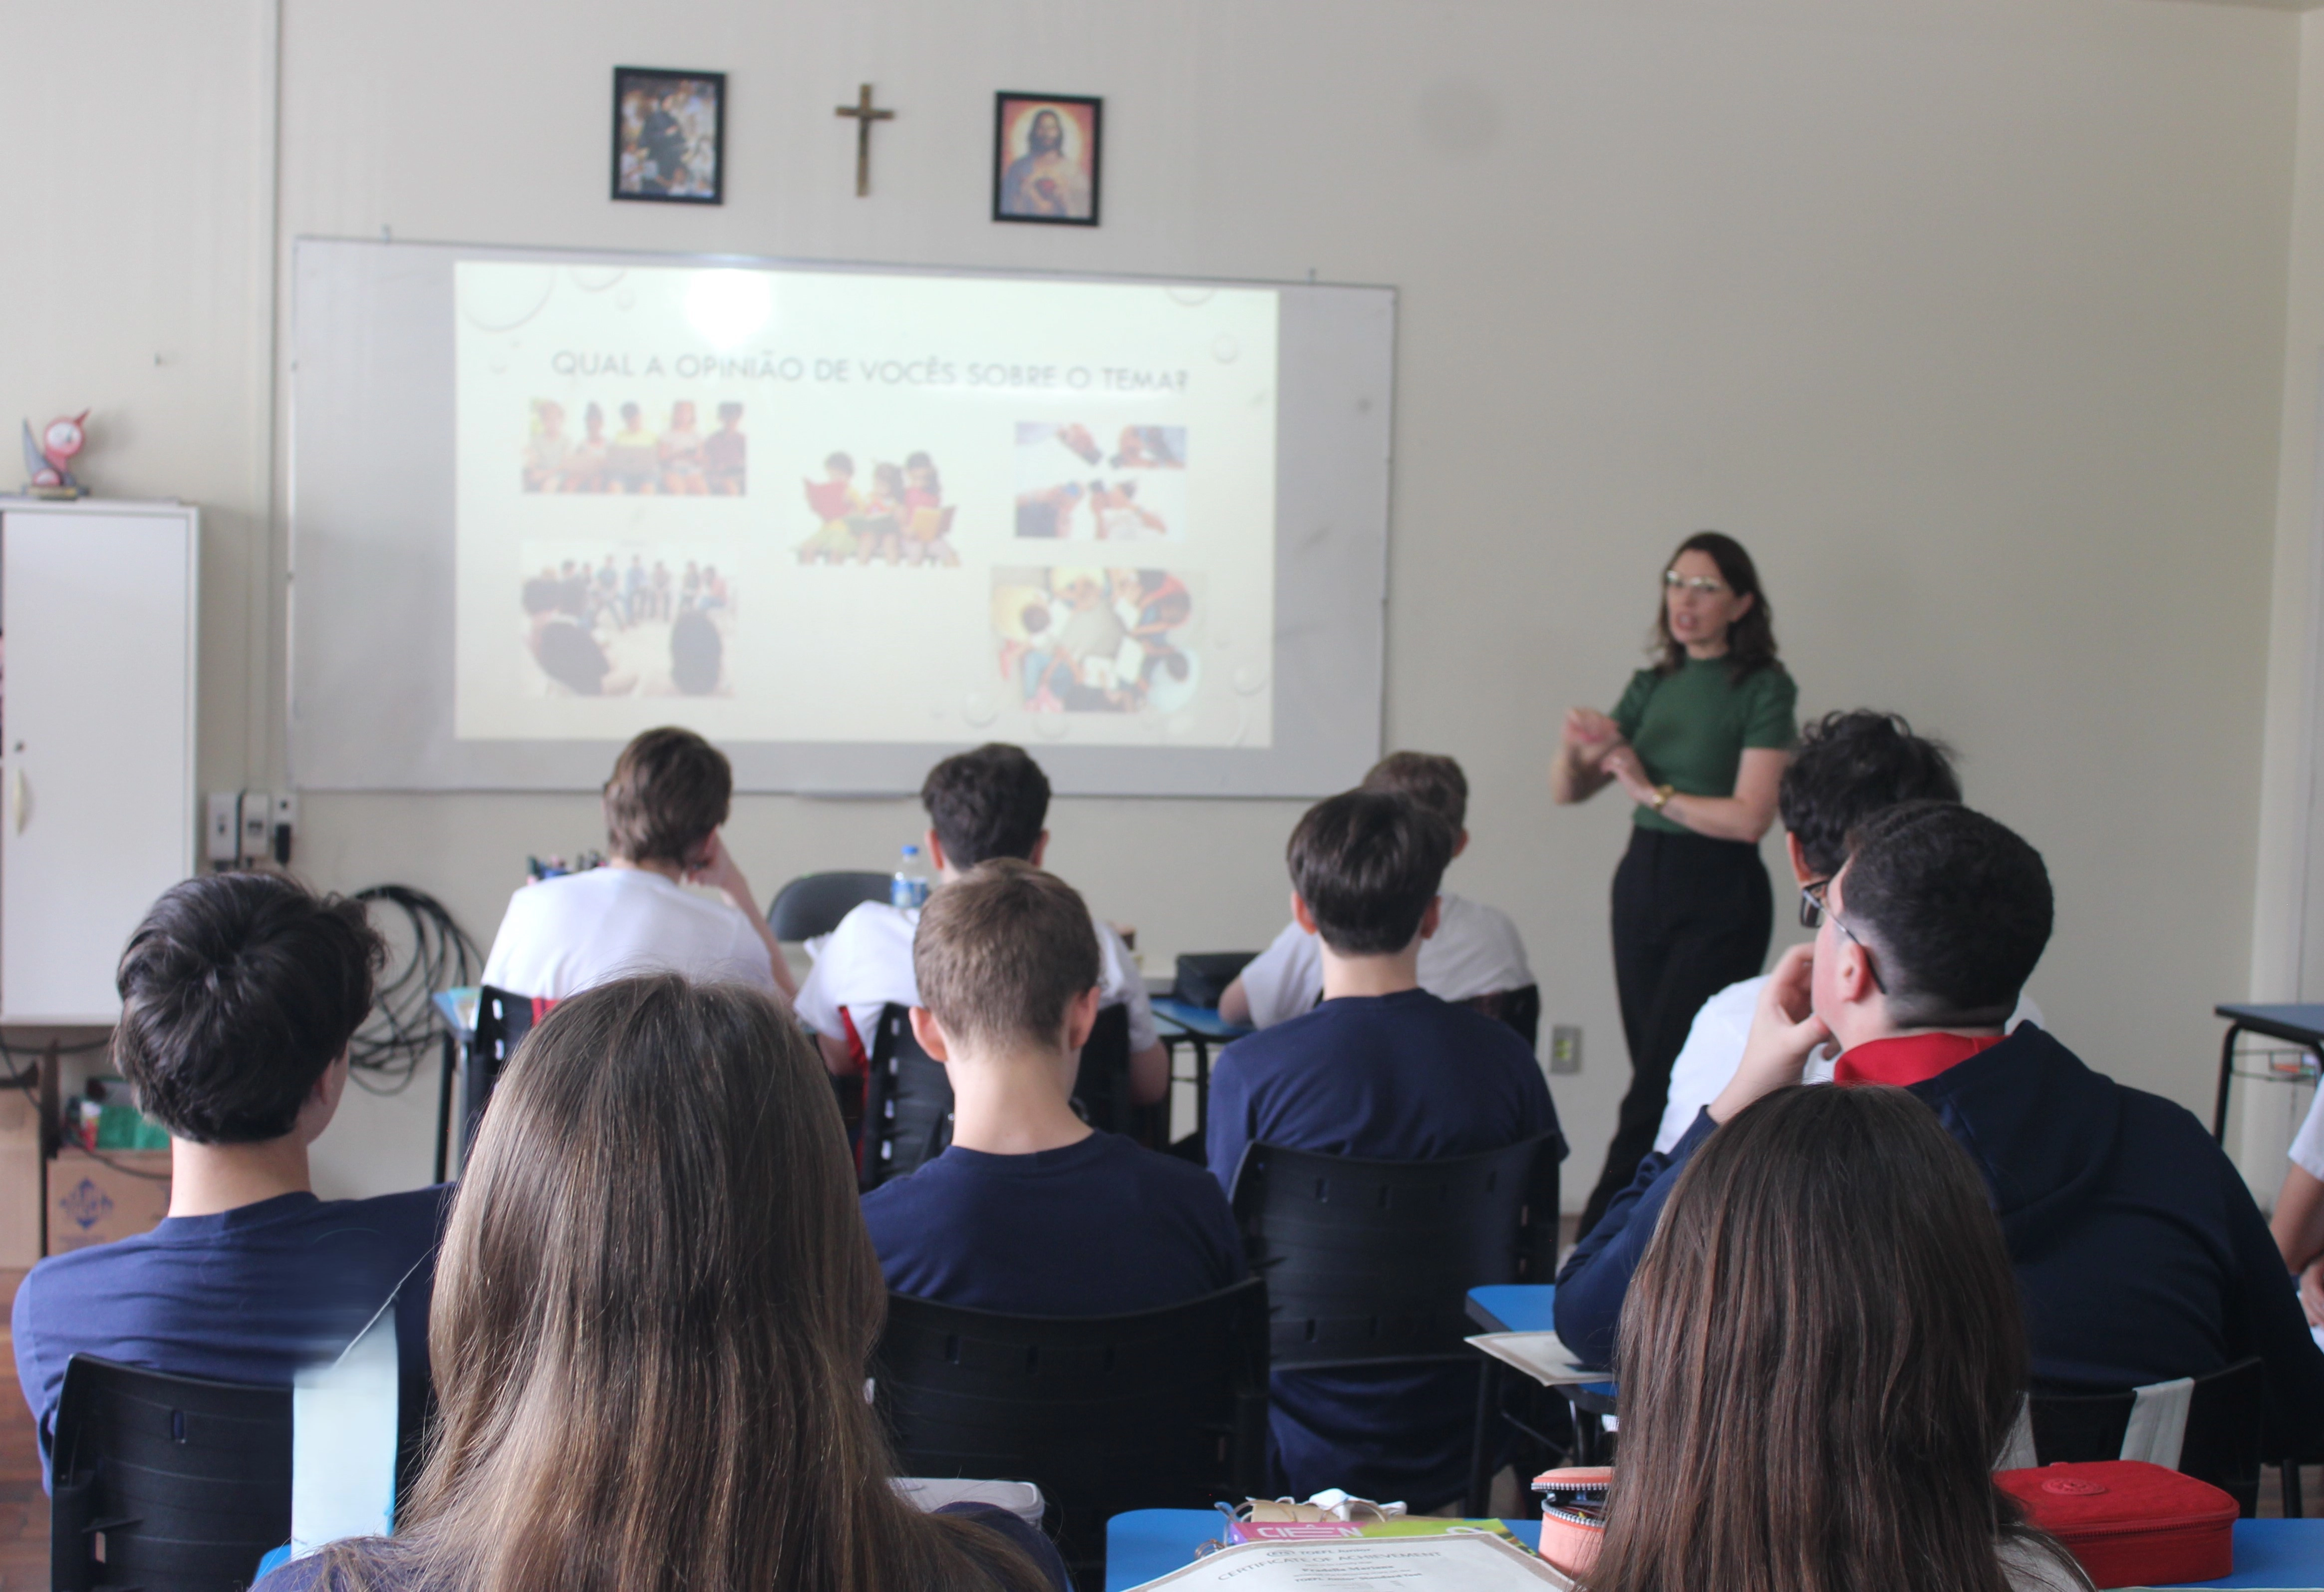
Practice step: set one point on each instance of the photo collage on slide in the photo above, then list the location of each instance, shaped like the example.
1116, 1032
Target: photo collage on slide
627, 620
1093, 636
678, 460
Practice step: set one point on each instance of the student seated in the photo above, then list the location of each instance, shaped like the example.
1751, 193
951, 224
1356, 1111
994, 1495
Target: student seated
1386, 1070
988, 803
1031, 1212
1474, 953
2140, 1255
668, 797
657, 1307
1831, 1416
239, 993
1848, 766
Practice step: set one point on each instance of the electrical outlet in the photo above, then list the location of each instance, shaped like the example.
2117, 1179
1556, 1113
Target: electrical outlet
222, 828
1565, 1050
257, 824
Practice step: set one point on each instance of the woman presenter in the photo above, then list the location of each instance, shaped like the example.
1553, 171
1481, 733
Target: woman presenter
1699, 741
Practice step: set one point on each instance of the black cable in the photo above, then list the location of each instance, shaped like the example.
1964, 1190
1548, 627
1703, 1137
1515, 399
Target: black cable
405, 1028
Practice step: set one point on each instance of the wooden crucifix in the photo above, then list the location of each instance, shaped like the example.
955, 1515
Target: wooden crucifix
864, 116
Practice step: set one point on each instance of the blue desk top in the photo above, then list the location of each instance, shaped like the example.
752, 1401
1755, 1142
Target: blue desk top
1147, 1543
1514, 1307
1198, 1019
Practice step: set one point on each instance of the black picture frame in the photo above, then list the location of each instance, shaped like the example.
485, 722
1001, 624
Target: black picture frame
1082, 118
643, 181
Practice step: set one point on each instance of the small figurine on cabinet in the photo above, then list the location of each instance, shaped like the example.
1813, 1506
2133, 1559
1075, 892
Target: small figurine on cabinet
49, 457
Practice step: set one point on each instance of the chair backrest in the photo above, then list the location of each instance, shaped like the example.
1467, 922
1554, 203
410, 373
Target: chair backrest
1372, 1261
503, 1020
172, 1484
1163, 1410
1519, 1008
2226, 1417
906, 1103
908, 1096
814, 903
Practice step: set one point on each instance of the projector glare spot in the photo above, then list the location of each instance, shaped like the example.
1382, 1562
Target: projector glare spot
1051, 726
595, 279
1225, 349
1249, 680
977, 709
728, 308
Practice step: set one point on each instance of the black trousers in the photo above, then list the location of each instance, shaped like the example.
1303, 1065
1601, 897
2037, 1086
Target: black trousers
1691, 916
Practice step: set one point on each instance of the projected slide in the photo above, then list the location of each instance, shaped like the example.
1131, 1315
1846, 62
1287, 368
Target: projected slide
849, 507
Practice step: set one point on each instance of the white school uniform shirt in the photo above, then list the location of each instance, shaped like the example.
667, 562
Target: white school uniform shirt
866, 964
2307, 1144
563, 936
1475, 950
1714, 1049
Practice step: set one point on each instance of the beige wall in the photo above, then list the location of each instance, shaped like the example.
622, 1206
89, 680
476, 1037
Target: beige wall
1968, 316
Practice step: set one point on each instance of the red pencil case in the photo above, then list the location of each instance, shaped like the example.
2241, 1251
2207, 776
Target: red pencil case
2128, 1522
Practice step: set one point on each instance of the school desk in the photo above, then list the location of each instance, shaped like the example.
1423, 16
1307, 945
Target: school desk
2302, 1025
1176, 1022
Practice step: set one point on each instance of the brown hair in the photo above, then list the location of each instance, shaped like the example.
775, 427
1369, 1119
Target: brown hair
1433, 781
652, 1318
1002, 951
1750, 640
1821, 1357
1368, 862
669, 789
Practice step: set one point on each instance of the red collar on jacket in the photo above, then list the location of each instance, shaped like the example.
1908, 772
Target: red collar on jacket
1909, 1058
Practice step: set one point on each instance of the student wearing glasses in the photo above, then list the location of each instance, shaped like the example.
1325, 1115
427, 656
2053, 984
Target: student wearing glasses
1699, 742
2140, 1255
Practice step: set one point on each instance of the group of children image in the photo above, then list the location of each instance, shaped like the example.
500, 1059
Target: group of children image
1058, 499
903, 518
608, 631
678, 461
1087, 640
648, 1324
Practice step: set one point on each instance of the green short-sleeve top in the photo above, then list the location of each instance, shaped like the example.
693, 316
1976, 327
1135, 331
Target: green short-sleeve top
1691, 728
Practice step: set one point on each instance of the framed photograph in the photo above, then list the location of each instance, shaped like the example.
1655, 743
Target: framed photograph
1045, 158
670, 135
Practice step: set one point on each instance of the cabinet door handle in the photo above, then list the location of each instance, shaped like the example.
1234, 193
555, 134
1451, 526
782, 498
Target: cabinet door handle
19, 803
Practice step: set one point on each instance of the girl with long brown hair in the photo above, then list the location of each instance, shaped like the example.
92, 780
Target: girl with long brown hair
652, 1319
1822, 1357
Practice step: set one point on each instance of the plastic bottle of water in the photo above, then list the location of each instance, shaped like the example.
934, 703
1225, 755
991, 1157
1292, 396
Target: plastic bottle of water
908, 889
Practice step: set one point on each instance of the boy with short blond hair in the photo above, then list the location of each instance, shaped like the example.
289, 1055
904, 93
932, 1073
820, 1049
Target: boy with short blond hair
1031, 1211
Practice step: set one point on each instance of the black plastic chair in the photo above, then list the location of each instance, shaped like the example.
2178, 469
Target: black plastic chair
171, 1484
2225, 1418
908, 1095
503, 1020
1163, 1410
814, 903
1370, 1262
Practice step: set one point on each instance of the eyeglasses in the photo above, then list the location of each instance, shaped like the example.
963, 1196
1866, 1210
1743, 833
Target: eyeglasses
1813, 911
1703, 586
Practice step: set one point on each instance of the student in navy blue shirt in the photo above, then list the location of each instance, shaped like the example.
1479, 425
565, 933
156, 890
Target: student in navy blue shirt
1386, 1070
2139, 1254
1031, 1211
239, 993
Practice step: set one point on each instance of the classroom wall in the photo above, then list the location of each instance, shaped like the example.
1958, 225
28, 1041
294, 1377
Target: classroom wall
1968, 316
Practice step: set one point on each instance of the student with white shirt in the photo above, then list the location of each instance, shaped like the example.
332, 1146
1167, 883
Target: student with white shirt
991, 802
1848, 766
1475, 951
668, 798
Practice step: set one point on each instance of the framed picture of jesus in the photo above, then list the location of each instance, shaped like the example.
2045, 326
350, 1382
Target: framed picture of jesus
1045, 158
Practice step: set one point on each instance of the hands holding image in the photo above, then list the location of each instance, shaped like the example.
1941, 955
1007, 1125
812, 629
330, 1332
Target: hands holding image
1784, 1031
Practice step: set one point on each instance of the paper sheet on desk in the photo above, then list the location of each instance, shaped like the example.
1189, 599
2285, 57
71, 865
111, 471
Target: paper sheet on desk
1378, 1564
1541, 1356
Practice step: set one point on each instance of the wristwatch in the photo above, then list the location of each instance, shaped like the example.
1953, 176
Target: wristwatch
1663, 794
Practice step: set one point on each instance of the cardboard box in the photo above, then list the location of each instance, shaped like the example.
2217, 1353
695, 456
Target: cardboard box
95, 1202
22, 1190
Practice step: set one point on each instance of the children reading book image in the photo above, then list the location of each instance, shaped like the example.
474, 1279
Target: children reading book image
681, 453
879, 528
725, 453
835, 502
927, 522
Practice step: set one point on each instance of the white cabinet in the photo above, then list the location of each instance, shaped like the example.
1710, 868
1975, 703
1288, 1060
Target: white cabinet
98, 609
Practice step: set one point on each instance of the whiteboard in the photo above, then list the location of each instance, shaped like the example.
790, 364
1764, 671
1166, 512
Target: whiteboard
375, 557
